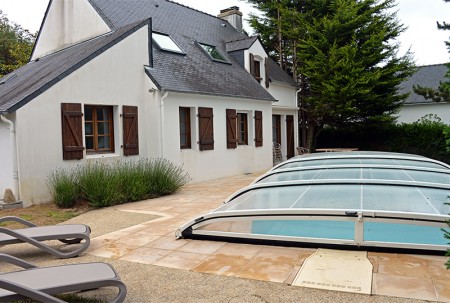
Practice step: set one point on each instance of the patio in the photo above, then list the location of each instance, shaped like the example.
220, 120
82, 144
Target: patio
420, 277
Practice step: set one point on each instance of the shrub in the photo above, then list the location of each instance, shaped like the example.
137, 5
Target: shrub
63, 188
99, 184
103, 184
426, 137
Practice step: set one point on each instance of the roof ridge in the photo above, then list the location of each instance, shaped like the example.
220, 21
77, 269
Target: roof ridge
243, 38
434, 64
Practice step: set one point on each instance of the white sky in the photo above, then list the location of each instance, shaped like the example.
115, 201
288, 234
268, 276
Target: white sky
425, 40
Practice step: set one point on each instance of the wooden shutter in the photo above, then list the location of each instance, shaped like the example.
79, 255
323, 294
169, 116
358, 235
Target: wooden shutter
266, 68
206, 130
258, 129
231, 128
130, 130
72, 131
252, 64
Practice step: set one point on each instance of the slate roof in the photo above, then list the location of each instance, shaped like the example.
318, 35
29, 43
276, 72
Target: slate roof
277, 74
244, 43
32, 79
194, 72
427, 76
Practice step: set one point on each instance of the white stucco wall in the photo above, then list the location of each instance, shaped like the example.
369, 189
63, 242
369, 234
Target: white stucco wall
68, 22
114, 78
220, 162
259, 54
412, 113
6, 150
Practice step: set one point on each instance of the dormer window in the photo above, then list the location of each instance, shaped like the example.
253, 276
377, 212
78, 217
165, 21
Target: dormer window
255, 67
166, 43
213, 53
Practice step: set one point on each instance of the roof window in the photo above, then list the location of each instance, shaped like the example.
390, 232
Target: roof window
213, 52
166, 43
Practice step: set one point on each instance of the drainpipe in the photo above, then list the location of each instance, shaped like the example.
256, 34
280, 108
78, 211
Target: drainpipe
161, 109
15, 170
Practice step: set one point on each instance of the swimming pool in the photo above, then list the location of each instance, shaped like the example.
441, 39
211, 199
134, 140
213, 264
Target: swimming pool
364, 205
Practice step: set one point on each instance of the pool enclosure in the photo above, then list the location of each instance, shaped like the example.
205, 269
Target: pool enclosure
364, 199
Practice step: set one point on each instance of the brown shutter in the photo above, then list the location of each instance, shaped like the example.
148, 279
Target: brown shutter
130, 130
72, 131
206, 130
231, 128
266, 68
290, 136
258, 129
252, 64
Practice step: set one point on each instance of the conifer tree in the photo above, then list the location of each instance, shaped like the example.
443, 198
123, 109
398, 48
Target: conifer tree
345, 55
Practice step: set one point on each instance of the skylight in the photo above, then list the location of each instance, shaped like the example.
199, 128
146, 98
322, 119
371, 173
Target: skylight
213, 53
166, 43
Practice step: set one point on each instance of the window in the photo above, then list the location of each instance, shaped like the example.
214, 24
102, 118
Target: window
276, 129
166, 43
185, 127
242, 129
213, 53
255, 68
98, 128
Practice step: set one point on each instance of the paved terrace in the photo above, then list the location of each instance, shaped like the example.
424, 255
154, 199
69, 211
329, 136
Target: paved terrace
395, 275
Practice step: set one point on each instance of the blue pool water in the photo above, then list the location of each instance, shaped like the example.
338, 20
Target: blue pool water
345, 230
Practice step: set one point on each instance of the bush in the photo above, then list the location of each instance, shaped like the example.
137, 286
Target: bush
104, 184
63, 188
426, 137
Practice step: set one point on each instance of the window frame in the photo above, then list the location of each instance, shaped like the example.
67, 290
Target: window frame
179, 51
187, 125
204, 46
242, 128
95, 135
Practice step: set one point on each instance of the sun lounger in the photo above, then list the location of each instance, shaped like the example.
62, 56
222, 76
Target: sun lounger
42, 283
35, 235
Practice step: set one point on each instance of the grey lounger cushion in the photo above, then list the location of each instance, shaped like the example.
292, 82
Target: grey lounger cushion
35, 235
40, 282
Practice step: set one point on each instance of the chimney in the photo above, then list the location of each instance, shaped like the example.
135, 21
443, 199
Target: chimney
233, 16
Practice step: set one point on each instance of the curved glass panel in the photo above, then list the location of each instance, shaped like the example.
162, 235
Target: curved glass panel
355, 173
367, 197
317, 162
361, 199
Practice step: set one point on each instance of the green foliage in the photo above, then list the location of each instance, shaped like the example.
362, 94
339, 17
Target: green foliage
99, 184
63, 187
103, 184
345, 55
16, 45
423, 137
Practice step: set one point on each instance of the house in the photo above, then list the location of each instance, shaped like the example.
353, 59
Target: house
118, 79
416, 106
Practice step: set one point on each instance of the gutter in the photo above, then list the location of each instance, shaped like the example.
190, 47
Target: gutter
161, 109
15, 170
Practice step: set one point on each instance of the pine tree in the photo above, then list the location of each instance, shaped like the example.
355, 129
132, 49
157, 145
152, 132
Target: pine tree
350, 65
343, 54
442, 93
